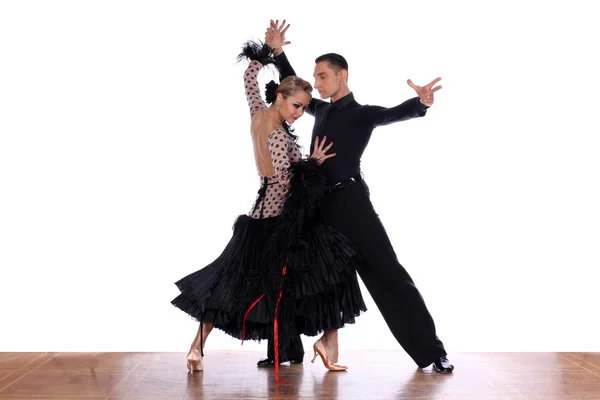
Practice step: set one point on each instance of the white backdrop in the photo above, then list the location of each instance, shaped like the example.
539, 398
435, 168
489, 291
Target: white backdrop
125, 157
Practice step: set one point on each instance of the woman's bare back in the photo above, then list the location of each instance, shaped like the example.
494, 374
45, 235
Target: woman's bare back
260, 128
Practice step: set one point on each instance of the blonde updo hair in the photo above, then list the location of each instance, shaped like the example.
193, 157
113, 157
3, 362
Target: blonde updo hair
287, 87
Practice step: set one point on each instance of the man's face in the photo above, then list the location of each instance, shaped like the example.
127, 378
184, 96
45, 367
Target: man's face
327, 81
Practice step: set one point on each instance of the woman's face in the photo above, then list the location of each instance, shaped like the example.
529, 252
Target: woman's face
293, 107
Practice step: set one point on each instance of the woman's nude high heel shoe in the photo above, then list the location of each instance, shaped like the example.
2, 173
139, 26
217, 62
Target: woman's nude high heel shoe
317, 347
194, 361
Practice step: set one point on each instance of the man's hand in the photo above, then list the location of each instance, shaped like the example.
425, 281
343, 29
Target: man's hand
426, 92
275, 36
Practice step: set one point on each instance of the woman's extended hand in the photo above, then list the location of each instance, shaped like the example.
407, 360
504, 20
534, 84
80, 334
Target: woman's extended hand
320, 150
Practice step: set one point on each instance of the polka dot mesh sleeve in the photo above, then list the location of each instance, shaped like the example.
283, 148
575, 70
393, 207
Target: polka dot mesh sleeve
255, 102
280, 143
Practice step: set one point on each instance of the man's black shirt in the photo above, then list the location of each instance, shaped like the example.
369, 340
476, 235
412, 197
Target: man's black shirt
349, 125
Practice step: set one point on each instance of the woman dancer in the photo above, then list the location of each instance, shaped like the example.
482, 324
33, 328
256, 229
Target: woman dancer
283, 272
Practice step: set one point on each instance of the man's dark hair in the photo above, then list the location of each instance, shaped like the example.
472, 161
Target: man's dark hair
336, 62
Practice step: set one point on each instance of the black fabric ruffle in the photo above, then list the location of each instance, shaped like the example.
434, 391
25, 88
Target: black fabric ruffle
294, 255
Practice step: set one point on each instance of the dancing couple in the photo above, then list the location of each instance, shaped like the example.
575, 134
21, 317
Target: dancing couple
290, 267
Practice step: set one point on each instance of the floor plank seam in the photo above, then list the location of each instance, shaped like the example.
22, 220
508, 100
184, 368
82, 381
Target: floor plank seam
29, 371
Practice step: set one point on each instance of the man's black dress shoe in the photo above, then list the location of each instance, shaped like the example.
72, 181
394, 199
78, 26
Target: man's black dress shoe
269, 362
443, 365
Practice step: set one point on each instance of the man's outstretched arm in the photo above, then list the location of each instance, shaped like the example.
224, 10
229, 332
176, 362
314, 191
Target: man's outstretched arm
411, 108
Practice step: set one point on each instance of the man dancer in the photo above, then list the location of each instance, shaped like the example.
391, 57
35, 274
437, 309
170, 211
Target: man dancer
348, 207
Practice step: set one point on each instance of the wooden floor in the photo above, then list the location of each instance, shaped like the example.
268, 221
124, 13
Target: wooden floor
234, 375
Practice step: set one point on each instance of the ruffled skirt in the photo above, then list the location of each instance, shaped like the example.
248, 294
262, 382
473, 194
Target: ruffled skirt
308, 287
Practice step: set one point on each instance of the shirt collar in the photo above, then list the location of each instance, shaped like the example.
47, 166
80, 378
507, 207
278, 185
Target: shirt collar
344, 101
